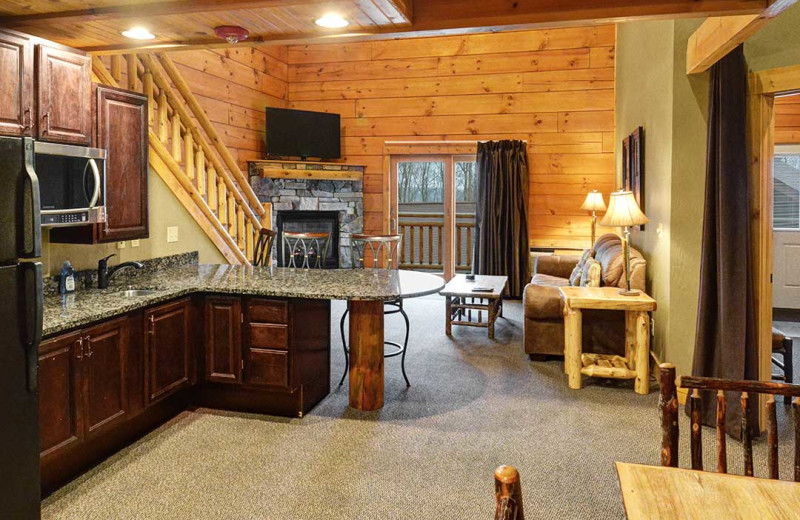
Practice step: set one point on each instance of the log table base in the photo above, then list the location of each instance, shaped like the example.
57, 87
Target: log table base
366, 355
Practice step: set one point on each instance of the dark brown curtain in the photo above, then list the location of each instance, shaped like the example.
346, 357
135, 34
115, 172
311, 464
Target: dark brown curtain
501, 213
725, 346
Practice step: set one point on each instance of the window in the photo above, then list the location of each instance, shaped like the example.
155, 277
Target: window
786, 190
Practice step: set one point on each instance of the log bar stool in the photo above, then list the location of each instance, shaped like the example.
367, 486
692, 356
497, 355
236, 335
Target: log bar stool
263, 249
305, 250
373, 249
782, 345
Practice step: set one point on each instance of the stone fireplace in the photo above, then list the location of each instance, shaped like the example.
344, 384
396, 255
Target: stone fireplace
293, 194
302, 221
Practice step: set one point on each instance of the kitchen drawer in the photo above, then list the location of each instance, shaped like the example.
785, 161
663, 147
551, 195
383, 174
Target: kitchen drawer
268, 311
268, 367
270, 336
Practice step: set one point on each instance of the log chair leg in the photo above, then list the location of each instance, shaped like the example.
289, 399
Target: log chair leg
572, 346
492, 317
642, 321
366, 355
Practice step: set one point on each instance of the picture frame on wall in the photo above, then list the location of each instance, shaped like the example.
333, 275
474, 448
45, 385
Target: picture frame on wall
633, 167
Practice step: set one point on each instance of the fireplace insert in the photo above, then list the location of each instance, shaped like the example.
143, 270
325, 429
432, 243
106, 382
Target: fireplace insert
309, 222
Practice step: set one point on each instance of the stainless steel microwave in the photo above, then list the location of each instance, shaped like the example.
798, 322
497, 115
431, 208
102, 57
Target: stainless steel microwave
72, 184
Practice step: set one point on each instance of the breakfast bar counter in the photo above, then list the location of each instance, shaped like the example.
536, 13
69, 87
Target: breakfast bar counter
366, 289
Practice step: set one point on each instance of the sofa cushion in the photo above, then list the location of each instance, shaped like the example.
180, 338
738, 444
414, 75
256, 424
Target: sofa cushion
592, 272
609, 254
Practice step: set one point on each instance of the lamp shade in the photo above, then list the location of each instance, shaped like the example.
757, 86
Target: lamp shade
623, 211
594, 202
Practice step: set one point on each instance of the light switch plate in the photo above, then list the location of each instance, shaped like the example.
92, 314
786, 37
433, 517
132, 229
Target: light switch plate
172, 234
134, 243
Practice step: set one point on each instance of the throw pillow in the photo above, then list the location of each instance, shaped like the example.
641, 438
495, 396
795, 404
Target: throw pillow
577, 273
592, 271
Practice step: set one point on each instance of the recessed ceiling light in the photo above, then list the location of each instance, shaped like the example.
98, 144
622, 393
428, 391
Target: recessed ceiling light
138, 33
332, 21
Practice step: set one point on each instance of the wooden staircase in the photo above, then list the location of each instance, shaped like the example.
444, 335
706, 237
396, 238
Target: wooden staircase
188, 154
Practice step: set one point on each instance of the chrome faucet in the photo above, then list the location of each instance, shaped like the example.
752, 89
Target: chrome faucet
104, 273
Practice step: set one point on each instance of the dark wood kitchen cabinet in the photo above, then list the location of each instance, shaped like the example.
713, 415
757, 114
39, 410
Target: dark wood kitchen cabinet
122, 129
167, 347
105, 375
63, 95
60, 394
223, 343
268, 346
16, 85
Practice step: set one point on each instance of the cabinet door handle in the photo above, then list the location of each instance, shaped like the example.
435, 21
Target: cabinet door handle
79, 349
47, 122
89, 347
152, 325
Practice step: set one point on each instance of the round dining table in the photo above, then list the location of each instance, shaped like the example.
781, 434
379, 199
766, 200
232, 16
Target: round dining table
366, 332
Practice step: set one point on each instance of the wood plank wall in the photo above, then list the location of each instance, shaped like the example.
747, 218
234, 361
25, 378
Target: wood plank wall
554, 88
787, 119
233, 86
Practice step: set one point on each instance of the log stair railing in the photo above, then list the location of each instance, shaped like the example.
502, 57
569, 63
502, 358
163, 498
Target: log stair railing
668, 405
188, 154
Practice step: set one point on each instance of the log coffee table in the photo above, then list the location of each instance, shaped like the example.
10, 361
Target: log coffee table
635, 364
460, 296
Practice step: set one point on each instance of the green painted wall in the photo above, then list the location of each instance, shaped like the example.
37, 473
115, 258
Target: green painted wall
643, 81
165, 211
675, 157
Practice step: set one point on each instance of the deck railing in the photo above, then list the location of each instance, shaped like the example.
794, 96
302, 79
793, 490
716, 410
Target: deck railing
423, 241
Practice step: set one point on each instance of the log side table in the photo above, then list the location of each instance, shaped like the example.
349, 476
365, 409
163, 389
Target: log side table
635, 364
460, 299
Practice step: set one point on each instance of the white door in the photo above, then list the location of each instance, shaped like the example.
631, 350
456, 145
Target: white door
786, 226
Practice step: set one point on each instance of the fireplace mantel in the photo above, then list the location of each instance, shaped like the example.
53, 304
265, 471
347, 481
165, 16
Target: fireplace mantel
275, 169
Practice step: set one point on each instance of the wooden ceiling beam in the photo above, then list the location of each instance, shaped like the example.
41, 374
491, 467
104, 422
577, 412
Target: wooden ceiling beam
718, 36
429, 17
143, 11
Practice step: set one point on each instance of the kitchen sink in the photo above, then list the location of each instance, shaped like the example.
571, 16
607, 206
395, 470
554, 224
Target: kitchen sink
136, 293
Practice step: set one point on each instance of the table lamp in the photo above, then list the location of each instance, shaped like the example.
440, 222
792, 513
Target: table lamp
623, 211
594, 202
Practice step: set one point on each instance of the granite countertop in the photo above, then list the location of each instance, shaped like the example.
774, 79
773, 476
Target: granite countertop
90, 305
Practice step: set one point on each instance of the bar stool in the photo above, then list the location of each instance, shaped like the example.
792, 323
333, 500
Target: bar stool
264, 244
782, 345
373, 249
305, 250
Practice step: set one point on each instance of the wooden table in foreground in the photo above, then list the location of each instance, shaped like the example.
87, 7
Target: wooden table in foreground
635, 364
664, 493
459, 290
366, 338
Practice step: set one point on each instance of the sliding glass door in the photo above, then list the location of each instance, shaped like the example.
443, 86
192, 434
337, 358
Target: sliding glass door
433, 208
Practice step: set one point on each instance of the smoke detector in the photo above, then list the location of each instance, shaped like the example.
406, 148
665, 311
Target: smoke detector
231, 33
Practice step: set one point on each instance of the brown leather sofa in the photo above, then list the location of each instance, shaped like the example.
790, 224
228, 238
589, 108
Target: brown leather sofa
603, 331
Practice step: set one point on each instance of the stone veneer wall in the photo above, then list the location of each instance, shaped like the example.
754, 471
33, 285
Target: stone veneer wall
346, 197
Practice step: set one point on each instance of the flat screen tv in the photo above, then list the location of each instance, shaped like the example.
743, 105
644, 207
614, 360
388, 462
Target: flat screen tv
300, 133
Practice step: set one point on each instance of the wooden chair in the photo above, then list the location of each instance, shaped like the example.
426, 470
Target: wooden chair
263, 250
668, 405
305, 250
373, 251
507, 494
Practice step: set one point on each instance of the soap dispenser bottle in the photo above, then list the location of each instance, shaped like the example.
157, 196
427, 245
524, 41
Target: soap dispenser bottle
67, 282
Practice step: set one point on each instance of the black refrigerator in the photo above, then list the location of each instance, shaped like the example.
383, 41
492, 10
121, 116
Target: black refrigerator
21, 306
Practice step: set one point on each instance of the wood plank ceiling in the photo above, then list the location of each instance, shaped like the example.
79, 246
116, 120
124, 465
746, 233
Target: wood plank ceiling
95, 25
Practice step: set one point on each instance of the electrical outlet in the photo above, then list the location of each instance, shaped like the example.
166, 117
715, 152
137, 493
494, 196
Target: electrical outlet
172, 234
121, 245
134, 243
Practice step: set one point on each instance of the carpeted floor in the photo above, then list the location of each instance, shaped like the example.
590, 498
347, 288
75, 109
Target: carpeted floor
429, 454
